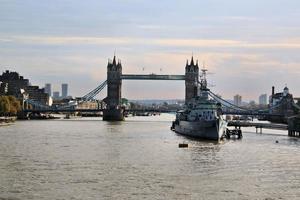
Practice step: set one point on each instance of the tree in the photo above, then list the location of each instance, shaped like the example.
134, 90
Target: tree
15, 105
4, 105
9, 105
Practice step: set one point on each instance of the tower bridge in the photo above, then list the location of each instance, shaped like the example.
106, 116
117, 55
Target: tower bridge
114, 110
114, 85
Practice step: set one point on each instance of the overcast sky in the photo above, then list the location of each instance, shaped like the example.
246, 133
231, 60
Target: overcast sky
248, 45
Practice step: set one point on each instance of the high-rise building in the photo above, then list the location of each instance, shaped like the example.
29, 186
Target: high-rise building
64, 90
237, 99
11, 83
263, 99
48, 89
56, 95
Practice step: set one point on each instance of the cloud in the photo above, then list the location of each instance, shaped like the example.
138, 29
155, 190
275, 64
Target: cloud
253, 65
291, 43
5, 40
196, 42
149, 27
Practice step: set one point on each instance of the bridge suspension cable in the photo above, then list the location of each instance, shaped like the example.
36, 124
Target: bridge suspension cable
225, 103
37, 104
296, 105
89, 96
234, 107
272, 107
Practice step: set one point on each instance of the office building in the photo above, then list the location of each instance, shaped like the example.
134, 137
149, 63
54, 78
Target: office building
11, 83
48, 89
56, 95
38, 95
263, 99
64, 90
237, 99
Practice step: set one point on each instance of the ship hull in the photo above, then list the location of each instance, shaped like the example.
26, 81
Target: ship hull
213, 130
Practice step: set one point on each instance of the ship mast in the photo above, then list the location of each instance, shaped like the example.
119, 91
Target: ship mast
203, 81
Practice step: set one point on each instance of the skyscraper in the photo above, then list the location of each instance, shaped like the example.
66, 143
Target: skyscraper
64, 90
263, 99
56, 95
48, 89
237, 99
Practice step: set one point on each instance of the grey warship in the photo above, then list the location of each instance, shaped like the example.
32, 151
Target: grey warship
202, 116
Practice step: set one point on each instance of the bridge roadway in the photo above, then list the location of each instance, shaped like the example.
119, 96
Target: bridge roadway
152, 77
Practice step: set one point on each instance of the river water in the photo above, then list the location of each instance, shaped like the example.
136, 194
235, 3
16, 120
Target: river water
139, 158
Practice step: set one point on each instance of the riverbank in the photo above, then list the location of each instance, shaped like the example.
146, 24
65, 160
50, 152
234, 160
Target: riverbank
7, 120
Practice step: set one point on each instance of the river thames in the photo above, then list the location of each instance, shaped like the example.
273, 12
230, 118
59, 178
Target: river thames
87, 158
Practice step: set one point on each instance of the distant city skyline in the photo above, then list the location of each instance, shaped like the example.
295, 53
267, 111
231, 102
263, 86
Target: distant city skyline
62, 88
247, 47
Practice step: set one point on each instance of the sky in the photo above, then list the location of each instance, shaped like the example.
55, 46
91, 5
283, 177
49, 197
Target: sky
247, 45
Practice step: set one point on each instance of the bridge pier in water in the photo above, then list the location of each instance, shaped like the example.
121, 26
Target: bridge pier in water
113, 115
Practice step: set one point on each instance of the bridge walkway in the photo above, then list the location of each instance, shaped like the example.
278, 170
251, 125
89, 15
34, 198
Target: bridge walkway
151, 77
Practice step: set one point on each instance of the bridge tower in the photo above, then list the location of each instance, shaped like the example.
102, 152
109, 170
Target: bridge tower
191, 80
113, 112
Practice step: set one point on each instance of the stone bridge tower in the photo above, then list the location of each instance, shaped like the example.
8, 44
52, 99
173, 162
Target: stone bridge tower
114, 111
191, 80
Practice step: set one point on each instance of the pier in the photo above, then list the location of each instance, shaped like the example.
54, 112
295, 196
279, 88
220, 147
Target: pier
257, 125
293, 128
